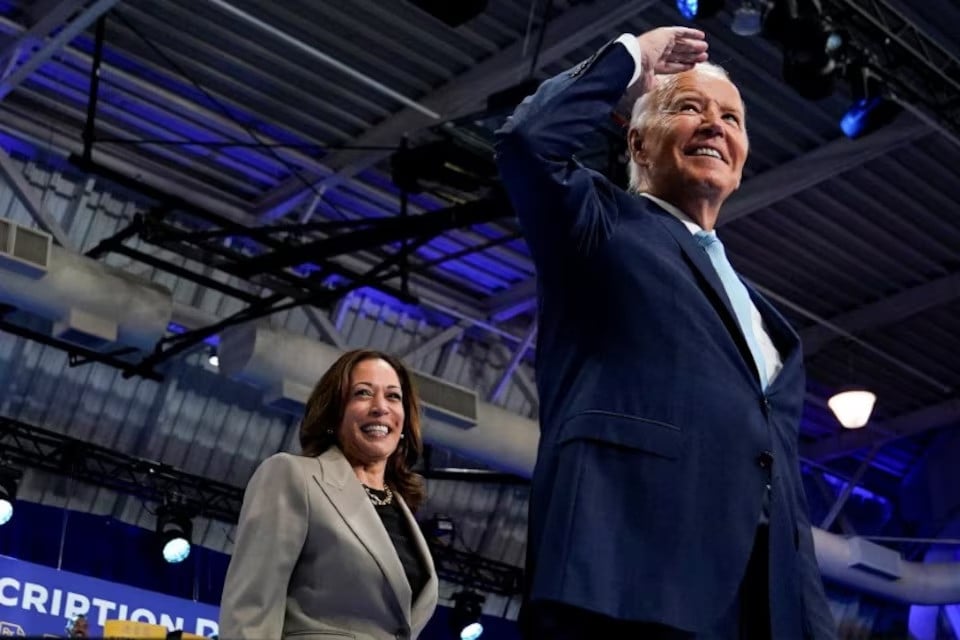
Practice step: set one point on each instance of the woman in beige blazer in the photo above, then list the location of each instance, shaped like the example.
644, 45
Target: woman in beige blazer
327, 546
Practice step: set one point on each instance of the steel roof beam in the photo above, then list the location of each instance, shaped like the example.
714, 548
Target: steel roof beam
569, 31
886, 311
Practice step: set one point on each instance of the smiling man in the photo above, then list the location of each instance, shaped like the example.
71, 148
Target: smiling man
667, 499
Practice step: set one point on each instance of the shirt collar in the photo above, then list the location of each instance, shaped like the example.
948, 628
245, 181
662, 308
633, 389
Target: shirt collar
691, 226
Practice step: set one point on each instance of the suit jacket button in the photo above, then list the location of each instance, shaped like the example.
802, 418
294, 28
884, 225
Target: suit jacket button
765, 460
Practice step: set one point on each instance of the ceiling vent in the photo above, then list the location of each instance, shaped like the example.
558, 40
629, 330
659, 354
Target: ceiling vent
444, 401
24, 250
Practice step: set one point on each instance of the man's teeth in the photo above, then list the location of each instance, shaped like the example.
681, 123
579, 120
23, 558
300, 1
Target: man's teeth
375, 429
706, 151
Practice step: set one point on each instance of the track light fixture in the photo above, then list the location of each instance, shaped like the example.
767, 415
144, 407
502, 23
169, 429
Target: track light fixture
809, 47
748, 18
871, 109
465, 617
9, 479
174, 528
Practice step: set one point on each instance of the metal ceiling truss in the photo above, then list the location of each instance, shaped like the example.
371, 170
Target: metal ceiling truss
60, 23
125, 358
918, 70
25, 446
474, 571
268, 255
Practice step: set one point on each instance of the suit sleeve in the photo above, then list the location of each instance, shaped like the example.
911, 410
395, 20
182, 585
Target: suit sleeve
557, 199
270, 535
817, 618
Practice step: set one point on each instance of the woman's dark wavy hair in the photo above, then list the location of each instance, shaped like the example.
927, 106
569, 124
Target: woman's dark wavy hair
324, 412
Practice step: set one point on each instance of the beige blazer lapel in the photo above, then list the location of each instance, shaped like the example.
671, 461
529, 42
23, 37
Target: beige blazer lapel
426, 601
337, 480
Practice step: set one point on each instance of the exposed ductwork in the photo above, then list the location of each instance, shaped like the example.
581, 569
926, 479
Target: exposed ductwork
89, 303
286, 366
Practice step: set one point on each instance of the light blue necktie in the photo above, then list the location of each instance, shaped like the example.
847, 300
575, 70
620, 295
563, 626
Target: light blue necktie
737, 294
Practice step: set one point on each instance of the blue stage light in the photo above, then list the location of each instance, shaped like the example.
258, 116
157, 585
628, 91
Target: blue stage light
854, 121
871, 109
688, 8
698, 9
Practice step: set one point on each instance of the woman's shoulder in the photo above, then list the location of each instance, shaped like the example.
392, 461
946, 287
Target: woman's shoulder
283, 465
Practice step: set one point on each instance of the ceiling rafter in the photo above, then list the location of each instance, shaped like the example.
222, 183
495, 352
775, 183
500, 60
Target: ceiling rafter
884, 312
567, 32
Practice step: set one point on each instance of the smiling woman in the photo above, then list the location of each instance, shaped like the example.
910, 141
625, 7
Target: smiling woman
324, 536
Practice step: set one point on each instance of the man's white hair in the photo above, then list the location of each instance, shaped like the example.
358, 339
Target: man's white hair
652, 105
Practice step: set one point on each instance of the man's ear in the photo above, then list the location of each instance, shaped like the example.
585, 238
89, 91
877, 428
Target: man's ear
635, 146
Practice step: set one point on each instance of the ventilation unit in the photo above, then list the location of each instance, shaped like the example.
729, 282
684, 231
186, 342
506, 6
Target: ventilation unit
287, 366
88, 302
24, 250
444, 401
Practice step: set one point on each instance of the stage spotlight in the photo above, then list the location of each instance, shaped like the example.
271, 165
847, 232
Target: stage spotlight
174, 529
213, 359
747, 18
465, 617
808, 68
809, 47
698, 9
9, 479
870, 110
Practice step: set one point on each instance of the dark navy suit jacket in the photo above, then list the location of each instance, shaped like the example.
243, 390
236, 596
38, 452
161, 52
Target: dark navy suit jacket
657, 440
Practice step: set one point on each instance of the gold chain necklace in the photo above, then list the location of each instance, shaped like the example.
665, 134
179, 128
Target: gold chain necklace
377, 500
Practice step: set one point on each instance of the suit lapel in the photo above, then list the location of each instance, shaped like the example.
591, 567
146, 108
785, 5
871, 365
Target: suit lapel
425, 602
704, 268
341, 486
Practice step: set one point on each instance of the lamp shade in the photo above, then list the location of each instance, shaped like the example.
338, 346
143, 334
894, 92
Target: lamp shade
852, 407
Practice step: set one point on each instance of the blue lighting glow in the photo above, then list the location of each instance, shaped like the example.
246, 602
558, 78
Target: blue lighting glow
6, 511
688, 8
855, 121
472, 631
173, 327
858, 491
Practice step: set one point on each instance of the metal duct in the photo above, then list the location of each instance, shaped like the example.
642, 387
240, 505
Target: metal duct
91, 303
917, 583
287, 365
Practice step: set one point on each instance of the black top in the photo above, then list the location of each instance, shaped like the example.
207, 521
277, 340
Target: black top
396, 525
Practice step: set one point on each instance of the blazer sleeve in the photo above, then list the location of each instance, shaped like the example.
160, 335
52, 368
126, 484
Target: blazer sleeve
818, 620
270, 536
557, 199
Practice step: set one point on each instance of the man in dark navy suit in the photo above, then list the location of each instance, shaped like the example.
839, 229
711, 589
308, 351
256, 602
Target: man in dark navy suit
667, 499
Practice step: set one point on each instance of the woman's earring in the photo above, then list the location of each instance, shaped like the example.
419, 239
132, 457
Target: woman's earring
402, 435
